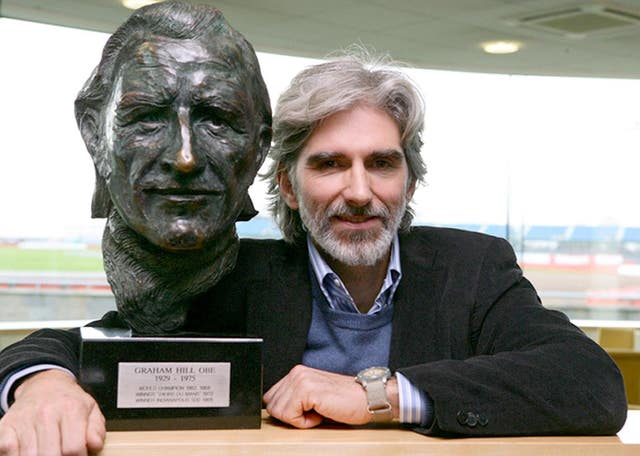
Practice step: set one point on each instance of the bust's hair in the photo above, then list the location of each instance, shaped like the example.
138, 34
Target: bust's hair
325, 89
173, 20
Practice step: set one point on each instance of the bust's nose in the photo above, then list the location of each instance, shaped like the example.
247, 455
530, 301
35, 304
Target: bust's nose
185, 161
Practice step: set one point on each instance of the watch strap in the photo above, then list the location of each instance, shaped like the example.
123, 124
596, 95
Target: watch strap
377, 402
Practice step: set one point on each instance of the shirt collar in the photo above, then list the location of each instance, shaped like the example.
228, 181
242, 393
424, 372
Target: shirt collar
336, 293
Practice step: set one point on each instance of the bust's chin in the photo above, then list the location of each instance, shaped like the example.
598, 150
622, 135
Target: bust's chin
182, 235
155, 286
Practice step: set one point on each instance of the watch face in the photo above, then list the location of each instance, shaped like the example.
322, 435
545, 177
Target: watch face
374, 373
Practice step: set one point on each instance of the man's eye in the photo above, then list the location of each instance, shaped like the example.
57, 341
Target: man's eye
328, 164
385, 163
381, 164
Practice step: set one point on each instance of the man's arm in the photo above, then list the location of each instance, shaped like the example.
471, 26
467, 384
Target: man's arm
52, 415
307, 396
49, 412
45, 346
530, 370
50, 346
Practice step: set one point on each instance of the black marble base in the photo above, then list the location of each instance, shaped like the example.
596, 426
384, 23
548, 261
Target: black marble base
153, 383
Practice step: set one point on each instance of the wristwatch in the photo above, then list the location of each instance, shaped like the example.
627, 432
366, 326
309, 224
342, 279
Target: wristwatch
373, 380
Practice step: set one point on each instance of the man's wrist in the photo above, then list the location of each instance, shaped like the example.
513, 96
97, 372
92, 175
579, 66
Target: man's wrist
374, 381
393, 396
13, 381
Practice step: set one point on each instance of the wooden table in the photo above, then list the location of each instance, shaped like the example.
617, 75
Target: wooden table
280, 440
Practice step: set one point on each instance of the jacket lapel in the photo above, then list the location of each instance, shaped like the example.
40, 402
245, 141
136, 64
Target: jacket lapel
280, 311
417, 334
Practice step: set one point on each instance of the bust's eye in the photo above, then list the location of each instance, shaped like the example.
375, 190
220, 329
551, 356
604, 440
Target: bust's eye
215, 118
144, 118
208, 117
151, 120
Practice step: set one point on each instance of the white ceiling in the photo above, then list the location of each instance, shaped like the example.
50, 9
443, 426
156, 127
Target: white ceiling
443, 34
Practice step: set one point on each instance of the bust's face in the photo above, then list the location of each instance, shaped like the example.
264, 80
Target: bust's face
181, 141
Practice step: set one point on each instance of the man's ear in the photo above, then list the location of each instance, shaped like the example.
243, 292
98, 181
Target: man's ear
411, 189
286, 189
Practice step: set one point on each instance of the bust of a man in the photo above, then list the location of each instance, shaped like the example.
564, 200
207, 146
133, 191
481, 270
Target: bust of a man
177, 120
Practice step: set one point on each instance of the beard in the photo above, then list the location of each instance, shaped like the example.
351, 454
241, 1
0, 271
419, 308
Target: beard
357, 247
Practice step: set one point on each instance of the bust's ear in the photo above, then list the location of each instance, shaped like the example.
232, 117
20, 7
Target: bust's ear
88, 124
89, 130
264, 144
101, 202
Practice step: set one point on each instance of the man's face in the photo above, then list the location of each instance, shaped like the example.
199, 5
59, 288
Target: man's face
352, 185
180, 140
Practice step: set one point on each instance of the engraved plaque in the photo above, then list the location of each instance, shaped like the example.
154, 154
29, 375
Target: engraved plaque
173, 382
144, 385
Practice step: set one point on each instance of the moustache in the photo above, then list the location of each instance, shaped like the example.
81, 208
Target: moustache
342, 209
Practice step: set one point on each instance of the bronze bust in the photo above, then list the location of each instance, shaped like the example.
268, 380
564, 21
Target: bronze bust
177, 120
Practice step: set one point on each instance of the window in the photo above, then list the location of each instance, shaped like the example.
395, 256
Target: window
548, 163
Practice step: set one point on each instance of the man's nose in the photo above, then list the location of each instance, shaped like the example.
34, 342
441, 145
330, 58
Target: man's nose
184, 161
357, 189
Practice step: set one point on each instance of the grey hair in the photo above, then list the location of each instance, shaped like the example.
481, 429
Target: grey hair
325, 89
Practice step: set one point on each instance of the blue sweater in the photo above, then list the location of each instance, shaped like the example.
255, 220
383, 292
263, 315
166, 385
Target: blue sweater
345, 342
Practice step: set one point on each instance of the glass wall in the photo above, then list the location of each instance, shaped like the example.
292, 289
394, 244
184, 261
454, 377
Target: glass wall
548, 163
551, 164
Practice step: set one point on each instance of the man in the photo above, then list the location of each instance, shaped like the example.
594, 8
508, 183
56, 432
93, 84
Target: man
474, 351
352, 290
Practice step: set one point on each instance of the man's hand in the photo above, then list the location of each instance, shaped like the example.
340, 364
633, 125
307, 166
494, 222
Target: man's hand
305, 396
52, 415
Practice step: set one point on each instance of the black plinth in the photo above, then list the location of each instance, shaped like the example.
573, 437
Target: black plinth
151, 383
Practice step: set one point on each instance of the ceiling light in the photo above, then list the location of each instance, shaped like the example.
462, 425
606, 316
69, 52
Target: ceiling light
501, 47
135, 4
